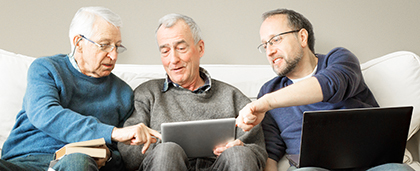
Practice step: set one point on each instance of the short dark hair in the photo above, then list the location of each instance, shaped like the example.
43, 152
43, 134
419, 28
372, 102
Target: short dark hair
296, 21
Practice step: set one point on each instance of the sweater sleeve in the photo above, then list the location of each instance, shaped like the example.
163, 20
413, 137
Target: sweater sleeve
44, 110
341, 78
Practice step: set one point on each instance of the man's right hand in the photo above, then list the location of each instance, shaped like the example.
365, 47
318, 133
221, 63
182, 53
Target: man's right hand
136, 135
252, 114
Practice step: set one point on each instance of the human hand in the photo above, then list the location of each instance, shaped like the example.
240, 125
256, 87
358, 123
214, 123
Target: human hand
219, 149
250, 116
100, 162
136, 135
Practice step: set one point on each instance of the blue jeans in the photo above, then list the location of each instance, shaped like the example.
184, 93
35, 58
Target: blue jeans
171, 156
27, 163
40, 162
384, 167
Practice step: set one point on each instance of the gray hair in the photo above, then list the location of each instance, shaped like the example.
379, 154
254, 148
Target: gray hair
170, 20
84, 19
296, 21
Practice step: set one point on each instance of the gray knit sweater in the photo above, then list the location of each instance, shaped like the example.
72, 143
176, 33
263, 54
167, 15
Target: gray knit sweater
153, 107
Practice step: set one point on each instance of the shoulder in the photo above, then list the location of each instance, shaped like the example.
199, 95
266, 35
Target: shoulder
223, 88
50, 60
223, 85
339, 54
47, 64
150, 85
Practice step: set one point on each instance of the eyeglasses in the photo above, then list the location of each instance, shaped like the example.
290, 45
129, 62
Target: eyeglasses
107, 48
274, 40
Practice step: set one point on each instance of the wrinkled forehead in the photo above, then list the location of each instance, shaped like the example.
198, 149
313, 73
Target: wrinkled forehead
180, 32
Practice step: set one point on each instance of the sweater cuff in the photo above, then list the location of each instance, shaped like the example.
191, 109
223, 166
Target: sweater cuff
106, 132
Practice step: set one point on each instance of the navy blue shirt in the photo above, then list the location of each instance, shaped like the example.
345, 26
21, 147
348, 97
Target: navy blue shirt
343, 87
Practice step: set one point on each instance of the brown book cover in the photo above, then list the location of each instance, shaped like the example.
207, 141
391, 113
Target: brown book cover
85, 147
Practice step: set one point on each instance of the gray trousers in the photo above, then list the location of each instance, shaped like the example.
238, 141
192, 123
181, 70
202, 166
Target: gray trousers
170, 156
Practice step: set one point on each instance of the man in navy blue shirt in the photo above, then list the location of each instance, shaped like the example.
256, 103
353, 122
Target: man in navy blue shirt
306, 81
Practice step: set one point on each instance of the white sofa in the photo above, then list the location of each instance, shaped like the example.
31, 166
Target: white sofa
393, 78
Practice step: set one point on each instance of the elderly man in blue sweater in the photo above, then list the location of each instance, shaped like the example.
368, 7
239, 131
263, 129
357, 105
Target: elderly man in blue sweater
306, 81
71, 98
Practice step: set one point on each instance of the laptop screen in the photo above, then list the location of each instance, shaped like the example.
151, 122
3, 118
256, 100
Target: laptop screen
354, 138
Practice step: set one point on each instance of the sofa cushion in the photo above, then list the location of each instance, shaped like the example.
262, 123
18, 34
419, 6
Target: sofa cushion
14, 68
134, 75
395, 81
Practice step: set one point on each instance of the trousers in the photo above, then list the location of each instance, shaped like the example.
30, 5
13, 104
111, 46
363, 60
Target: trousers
383, 167
41, 162
170, 156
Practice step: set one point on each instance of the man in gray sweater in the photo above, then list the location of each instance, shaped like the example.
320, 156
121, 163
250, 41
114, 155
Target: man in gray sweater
188, 93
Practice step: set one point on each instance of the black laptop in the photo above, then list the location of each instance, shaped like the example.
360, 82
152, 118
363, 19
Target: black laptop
353, 138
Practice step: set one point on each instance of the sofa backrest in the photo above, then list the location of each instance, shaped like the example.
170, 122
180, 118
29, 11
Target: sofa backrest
13, 70
394, 80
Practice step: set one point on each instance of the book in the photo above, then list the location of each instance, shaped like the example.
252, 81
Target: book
86, 147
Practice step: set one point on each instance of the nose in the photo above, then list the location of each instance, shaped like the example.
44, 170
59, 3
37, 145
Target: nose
270, 50
113, 54
174, 57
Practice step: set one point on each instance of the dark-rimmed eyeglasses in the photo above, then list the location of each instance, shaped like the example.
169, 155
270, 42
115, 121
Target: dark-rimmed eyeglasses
274, 40
106, 47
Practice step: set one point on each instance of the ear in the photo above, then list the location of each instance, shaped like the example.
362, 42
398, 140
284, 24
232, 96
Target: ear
303, 37
200, 46
76, 40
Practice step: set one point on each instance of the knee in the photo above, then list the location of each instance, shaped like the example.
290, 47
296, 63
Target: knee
392, 166
237, 152
169, 149
238, 155
239, 158
76, 161
166, 156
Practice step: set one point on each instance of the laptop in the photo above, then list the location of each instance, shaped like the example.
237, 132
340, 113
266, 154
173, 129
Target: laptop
198, 138
353, 138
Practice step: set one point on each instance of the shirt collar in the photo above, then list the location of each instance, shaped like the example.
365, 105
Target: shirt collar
73, 62
310, 75
203, 74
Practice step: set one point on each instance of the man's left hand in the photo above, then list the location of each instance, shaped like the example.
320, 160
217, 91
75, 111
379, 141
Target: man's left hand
219, 149
100, 162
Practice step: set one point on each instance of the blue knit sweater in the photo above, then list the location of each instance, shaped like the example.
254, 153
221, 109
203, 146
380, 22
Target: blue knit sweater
62, 105
343, 87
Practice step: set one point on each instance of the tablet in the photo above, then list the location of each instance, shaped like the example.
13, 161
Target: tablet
199, 138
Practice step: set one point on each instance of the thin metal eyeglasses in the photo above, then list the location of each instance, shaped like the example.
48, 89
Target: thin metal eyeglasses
274, 40
107, 48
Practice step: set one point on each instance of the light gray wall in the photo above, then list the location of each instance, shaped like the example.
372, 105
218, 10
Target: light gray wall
369, 29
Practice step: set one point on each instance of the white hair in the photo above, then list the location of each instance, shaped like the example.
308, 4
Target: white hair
84, 19
170, 20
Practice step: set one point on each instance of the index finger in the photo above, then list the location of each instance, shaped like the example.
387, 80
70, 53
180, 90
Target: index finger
155, 133
245, 127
